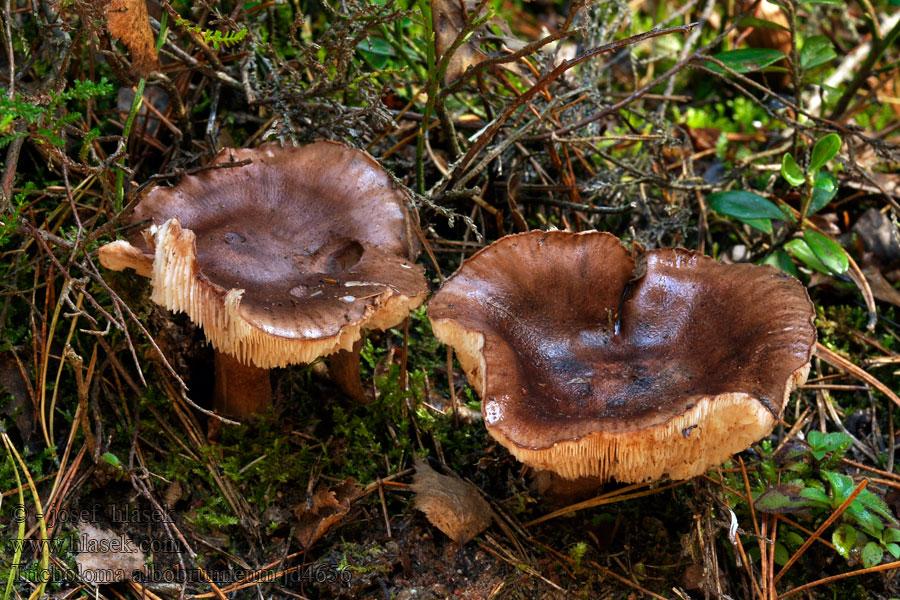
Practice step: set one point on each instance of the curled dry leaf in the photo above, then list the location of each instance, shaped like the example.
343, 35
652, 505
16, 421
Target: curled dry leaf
129, 22
881, 287
880, 239
106, 556
449, 19
174, 492
328, 507
452, 505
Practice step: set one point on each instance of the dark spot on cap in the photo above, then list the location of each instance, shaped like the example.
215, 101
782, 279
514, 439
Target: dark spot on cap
234, 238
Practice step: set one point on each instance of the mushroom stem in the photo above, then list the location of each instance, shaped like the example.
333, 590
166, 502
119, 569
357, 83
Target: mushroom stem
343, 367
555, 490
240, 390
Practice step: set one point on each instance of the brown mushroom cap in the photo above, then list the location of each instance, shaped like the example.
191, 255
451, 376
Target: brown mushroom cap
586, 368
285, 259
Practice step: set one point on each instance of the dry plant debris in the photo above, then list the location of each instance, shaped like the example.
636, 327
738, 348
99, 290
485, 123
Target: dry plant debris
129, 22
324, 511
106, 556
450, 19
452, 505
667, 124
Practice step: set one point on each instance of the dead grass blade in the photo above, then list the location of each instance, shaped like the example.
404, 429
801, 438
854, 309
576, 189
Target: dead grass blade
839, 362
863, 467
605, 570
760, 538
609, 498
516, 563
833, 578
542, 83
44, 563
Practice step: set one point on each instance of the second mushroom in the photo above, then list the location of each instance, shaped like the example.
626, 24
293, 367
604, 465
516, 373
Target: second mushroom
591, 365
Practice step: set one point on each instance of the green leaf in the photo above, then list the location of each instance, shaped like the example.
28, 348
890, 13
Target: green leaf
764, 225
894, 549
830, 442
824, 190
790, 452
825, 181
833, 2
112, 459
768, 471
877, 505
791, 171
816, 439
757, 23
783, 498
817, 496
825, 149
841, 487
891, 534
816, 51
801, 250
791, 539
780, 260
871, 555
376, 45
869, 523
844, 538
744, 205
781, 554
376, 50
823, 443
746, 60
827, 250
788, 213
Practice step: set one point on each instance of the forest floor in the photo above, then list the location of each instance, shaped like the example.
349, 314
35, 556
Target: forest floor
757, 132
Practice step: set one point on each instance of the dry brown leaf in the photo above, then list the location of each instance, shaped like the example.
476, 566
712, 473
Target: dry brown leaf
449, 18
128, 21
174, 492
106, 556
328, 507
452, 505
880, 286
880, 238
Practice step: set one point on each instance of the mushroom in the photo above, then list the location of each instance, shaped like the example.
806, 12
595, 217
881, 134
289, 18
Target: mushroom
592, 366
281, 261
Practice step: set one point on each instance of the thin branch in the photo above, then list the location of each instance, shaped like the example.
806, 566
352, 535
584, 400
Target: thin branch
492, 130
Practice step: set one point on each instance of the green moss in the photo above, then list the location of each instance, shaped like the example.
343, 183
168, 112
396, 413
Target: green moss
214, 514
362, 559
